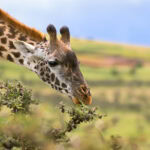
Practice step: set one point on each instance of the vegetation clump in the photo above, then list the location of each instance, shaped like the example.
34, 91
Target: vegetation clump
22, 129
16, 97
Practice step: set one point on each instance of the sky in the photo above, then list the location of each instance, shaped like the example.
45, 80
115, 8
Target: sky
121, 21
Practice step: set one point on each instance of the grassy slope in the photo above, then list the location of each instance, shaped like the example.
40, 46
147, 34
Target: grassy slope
127, 105
95, 49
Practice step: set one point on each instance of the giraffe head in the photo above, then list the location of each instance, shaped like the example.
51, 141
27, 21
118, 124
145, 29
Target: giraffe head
57, 65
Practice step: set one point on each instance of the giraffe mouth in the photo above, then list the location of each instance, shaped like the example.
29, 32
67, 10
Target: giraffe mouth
82, 95
87, 101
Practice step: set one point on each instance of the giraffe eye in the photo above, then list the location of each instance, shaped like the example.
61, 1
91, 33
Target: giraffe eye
53, 63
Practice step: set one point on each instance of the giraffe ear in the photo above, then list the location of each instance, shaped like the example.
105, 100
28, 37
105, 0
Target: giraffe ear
24, 47
28, 50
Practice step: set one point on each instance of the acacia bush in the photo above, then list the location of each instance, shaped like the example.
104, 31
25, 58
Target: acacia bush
22, 128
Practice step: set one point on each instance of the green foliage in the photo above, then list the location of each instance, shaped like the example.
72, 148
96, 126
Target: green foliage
22, 130
16, 97
77, 114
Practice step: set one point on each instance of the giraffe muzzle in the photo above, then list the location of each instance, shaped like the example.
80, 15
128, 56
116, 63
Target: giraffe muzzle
83, 95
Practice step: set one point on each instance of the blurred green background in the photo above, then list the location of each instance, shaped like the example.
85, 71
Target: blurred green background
119, 78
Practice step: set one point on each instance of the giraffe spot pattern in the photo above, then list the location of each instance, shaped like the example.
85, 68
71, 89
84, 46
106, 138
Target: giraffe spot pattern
47, 75
12, 32
11, 45
64, 85
42, 64
35, 67
44, 79
22, 37
42, 73
52, 77
34, 61
31, 43
57, 82
2, 48
2, 22
16, 54
2, 29
60, 89
41, 70
66, 91
28, 63
47, 69
21, 61
3, 40
9, 57
1, 54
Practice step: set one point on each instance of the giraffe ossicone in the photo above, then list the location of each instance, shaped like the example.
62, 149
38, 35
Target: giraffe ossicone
52, 60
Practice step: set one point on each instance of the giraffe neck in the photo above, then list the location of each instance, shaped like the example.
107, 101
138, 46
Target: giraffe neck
12, 30
8, 34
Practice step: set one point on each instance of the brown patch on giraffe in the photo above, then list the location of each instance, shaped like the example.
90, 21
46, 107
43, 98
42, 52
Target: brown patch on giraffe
47, 75
60, 89
2, 48
9, 57
22, 37
2, 22
35, 67
52, 77
63, 85
11, 45
42, 73
42, 64
44, 79
2, 30
31, 43
3, 40
1, 54
21, 61
47, 69
66, 91
28, 63
31, 32
16, 54
41, 70
12, 32
33, 40
57, 82
10, 36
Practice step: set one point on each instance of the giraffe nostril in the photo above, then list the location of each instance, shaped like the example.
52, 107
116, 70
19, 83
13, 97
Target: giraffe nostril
84, 89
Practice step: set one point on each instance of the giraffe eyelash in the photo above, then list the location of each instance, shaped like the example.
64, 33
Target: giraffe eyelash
53, 63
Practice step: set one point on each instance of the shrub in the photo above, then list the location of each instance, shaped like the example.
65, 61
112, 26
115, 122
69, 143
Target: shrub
23, 129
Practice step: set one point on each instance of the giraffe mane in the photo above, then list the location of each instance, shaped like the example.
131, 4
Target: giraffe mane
32, 32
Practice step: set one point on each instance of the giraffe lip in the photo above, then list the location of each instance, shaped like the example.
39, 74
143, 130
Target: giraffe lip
86, 101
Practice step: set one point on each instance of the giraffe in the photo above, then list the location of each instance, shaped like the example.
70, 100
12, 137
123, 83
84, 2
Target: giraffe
52, 60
